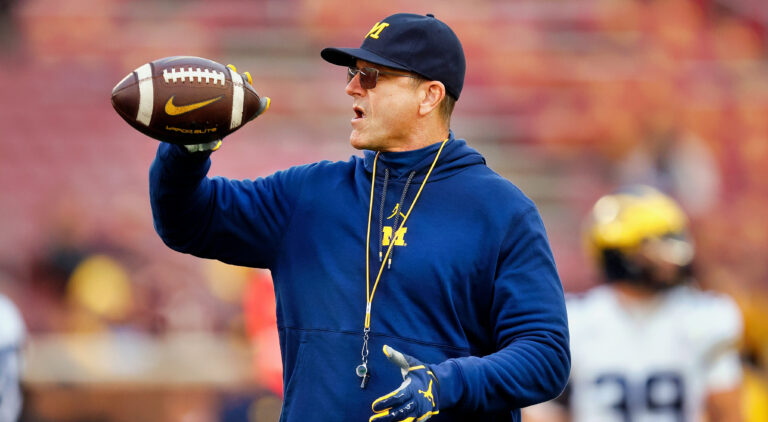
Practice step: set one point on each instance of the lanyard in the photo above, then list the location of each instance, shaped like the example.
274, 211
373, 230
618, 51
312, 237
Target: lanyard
362, 369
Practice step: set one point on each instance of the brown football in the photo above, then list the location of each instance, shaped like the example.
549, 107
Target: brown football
187, 100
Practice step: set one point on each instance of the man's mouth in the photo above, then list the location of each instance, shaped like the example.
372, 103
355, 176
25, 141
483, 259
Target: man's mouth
359, 112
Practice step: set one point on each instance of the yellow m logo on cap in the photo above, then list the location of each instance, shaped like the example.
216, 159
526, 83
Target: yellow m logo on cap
376, 30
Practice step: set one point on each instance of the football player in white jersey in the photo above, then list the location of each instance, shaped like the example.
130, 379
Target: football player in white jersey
12, 333
647, 345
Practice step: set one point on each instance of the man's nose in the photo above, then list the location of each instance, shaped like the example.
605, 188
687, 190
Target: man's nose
353, 86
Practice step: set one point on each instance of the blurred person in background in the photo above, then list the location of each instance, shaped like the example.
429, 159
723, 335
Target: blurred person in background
647, 345
466, 283
12, 334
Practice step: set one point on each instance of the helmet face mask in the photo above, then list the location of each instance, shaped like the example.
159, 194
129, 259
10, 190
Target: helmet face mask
639, 236
664, 262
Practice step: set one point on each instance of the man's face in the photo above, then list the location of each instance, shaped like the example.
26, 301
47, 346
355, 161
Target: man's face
384, 115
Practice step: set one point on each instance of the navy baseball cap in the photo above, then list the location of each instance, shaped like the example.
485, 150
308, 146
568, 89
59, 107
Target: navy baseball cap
410, 42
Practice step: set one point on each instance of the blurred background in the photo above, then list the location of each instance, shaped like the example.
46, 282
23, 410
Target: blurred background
569, 99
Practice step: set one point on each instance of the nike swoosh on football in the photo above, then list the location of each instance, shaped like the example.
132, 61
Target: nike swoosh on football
174, 110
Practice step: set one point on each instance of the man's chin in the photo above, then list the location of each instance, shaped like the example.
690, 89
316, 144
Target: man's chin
357, 141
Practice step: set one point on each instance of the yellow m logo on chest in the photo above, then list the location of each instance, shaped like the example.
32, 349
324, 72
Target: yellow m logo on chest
376, 30
399, 236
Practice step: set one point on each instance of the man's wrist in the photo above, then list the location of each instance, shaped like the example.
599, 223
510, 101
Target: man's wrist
450, 382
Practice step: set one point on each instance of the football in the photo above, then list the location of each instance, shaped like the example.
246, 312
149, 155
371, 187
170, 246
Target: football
187, 100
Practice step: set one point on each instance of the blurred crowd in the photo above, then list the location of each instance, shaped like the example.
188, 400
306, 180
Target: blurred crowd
568, 98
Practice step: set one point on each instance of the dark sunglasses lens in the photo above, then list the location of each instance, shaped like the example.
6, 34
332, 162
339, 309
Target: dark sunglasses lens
368, 76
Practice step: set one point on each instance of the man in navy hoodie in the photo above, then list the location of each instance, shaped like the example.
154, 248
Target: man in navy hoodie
412, 282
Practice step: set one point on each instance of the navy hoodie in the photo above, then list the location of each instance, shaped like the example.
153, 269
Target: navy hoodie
472, 289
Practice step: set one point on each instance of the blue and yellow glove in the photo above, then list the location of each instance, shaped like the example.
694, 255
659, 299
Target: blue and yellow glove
415, 399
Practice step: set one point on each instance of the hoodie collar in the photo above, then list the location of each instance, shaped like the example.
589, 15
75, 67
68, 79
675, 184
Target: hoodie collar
455, 156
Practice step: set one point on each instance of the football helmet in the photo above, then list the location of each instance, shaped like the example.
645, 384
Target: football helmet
640, 235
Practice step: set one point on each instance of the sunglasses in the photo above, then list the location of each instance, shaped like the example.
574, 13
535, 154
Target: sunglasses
369, 76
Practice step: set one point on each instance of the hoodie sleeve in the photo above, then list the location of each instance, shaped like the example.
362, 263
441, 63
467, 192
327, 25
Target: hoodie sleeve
238, 222
529, 322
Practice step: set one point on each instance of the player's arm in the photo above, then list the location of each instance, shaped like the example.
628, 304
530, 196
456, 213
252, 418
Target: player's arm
546, 412
724, 406
530, 327
557, 410
724, 372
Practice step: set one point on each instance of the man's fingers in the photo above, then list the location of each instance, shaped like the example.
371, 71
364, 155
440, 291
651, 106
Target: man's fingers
382, 416
403, 413
209, 146
264, 103
396, 357
395, 398
399, 414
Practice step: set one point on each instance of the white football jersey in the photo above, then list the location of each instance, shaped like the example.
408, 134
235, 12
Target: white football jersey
651, 362
12, 334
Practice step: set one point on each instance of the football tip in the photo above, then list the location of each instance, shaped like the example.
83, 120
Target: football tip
122, 84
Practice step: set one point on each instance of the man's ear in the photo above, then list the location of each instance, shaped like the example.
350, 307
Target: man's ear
433, 93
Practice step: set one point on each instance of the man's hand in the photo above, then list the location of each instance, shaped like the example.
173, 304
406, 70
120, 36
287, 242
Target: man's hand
415, 399
264, 103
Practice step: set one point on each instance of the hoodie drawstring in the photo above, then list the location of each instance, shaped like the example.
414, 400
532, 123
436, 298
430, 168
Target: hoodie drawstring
400, 205
381, 213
